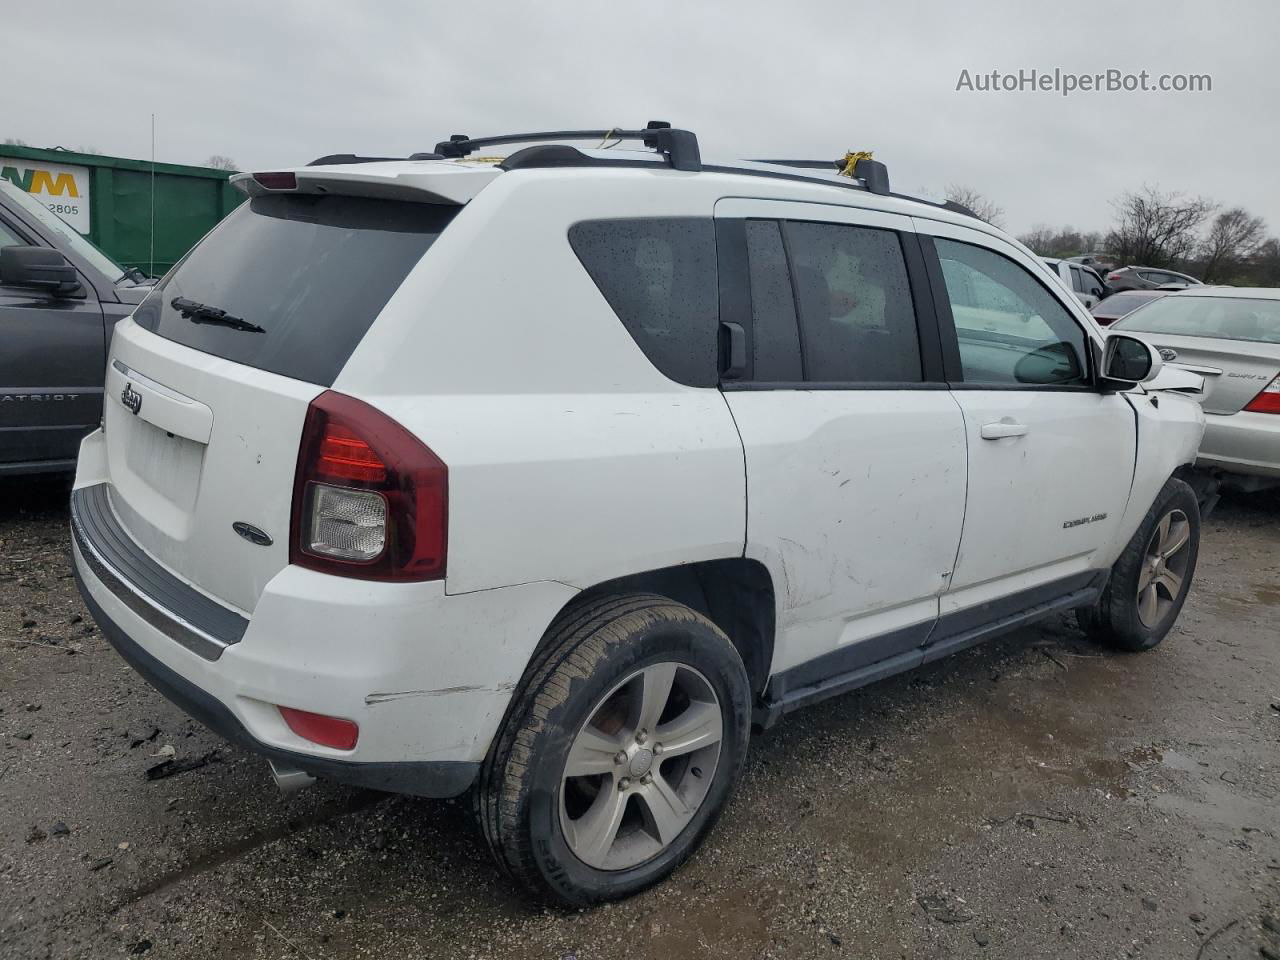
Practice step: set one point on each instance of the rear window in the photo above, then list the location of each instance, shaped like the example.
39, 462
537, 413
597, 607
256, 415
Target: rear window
312, 271
1118, 304
1226, 318
659, 275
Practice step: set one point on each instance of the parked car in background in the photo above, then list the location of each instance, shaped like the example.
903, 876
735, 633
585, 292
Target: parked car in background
60, 296
1100, 262
1117, 305
1081, 280
1148, 278
776, 434
1231, 337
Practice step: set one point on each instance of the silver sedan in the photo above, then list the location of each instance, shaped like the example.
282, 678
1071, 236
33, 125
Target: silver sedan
1231, 337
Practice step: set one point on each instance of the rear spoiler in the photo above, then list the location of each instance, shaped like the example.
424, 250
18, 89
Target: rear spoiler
445, 183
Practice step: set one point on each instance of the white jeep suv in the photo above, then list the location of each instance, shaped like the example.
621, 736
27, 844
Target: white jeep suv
549, 478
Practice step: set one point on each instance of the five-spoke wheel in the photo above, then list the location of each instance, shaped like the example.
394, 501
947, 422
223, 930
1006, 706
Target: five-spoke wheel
641, 765
1164, 568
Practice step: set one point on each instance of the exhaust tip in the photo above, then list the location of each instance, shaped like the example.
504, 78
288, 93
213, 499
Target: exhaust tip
290, 779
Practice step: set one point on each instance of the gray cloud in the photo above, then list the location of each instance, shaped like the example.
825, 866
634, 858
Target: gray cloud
281, 83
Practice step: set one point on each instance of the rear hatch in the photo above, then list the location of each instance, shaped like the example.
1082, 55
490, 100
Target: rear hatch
1231, 341
209, 383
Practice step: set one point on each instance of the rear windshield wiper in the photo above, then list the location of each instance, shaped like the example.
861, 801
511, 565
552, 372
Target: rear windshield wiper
198, 312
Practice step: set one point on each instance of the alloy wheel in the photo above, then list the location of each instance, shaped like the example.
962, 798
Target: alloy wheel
641, 766
1164, 568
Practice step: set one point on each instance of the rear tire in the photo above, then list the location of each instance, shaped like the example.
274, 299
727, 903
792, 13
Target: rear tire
1150, 581
617, 676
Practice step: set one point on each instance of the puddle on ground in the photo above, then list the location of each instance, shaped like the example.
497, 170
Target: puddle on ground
1269, 595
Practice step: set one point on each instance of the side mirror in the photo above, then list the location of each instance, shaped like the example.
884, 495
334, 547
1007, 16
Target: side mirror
37, 267
1052, 363
1128, 361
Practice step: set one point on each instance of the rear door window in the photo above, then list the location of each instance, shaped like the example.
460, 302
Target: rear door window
857, 317
659, 274
312, 271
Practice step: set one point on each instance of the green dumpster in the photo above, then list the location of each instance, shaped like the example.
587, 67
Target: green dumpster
142, 214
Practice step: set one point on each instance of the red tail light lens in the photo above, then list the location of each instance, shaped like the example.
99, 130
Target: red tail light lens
1112, 277
370, 500
324, 730
1268, 400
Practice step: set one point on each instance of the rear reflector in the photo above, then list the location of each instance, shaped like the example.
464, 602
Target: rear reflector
318, 728
1268, 401
277, 181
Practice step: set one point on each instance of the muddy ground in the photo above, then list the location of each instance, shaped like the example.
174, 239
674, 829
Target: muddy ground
1038, 797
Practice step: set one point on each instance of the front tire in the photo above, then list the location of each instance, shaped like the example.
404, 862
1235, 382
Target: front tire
619, 751
1150, 581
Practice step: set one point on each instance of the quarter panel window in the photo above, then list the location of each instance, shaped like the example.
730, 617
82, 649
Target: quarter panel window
1011, 330
659, 276
8, 238
857, 318
775, 331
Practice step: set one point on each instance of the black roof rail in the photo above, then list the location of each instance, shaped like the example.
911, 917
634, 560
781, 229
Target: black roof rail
679, 146
873, 173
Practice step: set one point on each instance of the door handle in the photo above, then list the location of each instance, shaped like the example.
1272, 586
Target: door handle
1003, 428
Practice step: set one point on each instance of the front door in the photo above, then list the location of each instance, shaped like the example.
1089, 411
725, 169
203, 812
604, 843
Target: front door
50, 371
1050, 456
855, 449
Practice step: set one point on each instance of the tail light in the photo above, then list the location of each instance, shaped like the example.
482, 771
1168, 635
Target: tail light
1112, 277
1267, 400
370, 500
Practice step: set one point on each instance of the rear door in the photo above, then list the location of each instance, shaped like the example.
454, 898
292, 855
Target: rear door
1050, 457
204, 413
855, 450
50, 369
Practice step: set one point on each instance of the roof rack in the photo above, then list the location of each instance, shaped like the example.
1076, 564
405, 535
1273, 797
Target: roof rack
873, 173
679, 146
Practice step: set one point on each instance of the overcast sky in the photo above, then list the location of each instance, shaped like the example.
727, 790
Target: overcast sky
280, 83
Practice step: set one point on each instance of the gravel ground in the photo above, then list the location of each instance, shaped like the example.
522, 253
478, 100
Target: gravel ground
1037, 797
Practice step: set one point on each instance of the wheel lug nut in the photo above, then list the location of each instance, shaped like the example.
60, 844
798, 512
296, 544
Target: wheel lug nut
647, 779
624, 783
657, 749
620, 757
641, 737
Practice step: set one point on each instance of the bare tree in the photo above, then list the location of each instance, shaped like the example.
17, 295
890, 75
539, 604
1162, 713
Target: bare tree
983, 208
14, 142
1063, 242
219, 162
1264, 266
1234, 237
1156, 229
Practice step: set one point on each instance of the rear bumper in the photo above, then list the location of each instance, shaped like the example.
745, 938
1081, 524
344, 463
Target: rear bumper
426, 676
1244, 442
438, 778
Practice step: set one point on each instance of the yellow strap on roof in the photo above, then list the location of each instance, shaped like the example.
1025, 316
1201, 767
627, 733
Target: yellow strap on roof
851, 161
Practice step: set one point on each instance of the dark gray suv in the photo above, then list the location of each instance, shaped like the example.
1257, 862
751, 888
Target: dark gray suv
60, 296
1147, 278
